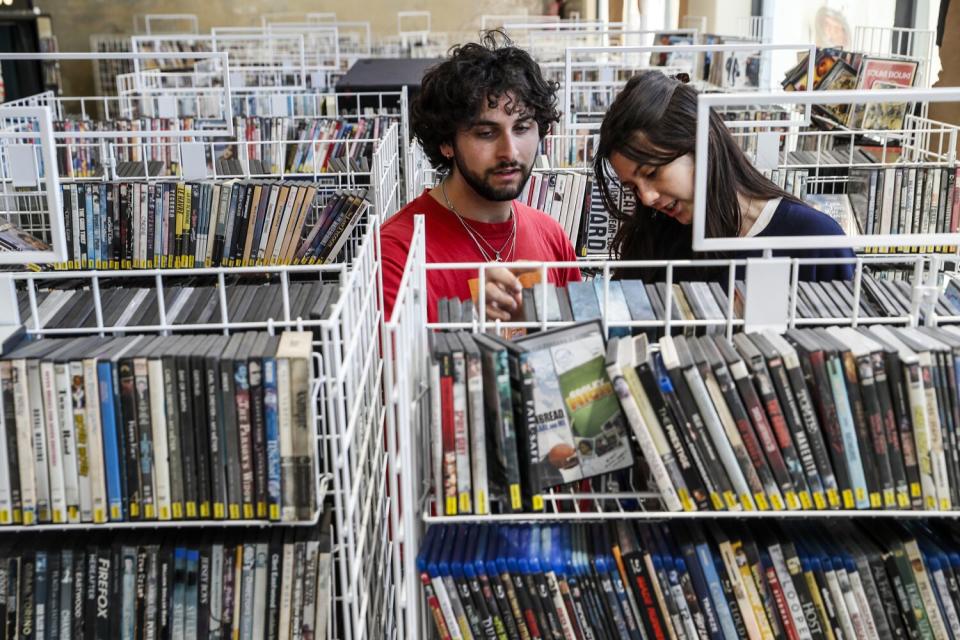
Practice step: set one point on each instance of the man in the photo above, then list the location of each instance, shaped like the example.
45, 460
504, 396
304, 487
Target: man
480, 117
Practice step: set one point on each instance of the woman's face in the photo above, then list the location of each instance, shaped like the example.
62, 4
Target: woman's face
667, 188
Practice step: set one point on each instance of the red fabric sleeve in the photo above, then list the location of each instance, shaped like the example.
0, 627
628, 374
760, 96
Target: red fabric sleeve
393, 259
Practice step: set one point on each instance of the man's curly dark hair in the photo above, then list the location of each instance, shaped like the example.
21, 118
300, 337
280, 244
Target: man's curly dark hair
453, 92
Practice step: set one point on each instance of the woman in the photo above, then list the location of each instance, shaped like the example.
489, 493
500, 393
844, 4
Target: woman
647, 142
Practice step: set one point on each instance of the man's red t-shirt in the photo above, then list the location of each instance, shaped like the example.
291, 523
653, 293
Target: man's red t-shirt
539, 238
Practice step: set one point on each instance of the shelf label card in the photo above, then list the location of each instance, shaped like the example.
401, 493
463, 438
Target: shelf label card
193, 161
278, 106
167, 107
22, 162
767, 303
768, 150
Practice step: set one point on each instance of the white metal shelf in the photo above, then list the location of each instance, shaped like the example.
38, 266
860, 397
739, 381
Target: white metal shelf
162, 525
807, 99
408, 418
607, 60
667, 516
138, 99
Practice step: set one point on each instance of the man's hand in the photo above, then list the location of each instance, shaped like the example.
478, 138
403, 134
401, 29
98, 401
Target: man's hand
503, 294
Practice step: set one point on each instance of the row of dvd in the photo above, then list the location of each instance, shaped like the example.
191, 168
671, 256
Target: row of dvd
633, 580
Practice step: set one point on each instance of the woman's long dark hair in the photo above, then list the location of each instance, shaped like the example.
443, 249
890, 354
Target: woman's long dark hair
653, 121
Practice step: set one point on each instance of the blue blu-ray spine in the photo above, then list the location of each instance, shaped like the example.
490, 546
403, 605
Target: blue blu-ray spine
111, 452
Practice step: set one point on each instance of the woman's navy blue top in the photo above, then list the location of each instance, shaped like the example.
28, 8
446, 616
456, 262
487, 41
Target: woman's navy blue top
796, 219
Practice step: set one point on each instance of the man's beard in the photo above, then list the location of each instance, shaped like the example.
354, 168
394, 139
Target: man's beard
482, 186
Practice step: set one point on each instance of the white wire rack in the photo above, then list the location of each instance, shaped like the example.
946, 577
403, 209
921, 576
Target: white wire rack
162, 154
406, 363
139, 99
258, 61
570, 150
354, 38
348, 406
706, 102
419, 174
548, 47
162, 284
354, 403
413, 26
105, 72
321, 43
900, 44
387, 189
919, 140
30, 202
406, 366
271, 17
594, 75
321, 104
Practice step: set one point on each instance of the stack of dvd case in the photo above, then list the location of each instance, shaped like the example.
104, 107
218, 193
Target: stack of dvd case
633, 300
140, 428
515, 418
813, 419
170, 225
194, 304
729, 580
241, 584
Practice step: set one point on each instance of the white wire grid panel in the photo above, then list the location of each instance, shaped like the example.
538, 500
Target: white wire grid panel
105, 71
31, 225
93, 281
406, 354
164, 156
317, 104
594, 75
706, 102
387, 189
413, 25
919, 140
419, 174
354, 405
901, 44
140, 99
258, 61
570, 150
548, 47
321, 42
354, 39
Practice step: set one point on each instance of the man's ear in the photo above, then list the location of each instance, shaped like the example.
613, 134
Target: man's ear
446, 149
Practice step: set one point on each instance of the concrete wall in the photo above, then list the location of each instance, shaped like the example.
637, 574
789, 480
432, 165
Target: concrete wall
74, 21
